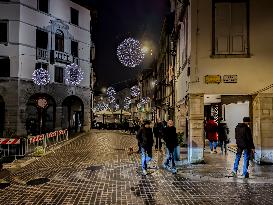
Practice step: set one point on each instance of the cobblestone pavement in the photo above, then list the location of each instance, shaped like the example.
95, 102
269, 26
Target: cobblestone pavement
96, 169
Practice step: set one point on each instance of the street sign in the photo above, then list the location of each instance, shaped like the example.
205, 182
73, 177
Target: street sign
212, 79
230, 78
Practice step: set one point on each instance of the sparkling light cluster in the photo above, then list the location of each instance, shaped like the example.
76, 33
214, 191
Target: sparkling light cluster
127, 102
41, 76
74, 74
130, 53
100, 107
110, 91
145, 100
135, 91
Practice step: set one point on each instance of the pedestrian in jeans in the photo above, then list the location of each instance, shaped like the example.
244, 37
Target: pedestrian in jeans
170, 138
223, 132
244, 143
212, 135
158, 133
145, 139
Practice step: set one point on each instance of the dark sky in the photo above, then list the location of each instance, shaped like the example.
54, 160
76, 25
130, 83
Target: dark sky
117, 20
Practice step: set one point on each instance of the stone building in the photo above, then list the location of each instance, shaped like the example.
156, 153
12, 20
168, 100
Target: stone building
224, 68
51, 35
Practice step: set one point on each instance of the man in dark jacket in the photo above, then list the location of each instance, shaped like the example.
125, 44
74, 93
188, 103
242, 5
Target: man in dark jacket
158, 133
170, 138
223, 132
244, 143
145, 139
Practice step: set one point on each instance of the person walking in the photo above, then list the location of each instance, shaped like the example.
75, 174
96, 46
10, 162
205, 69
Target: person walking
212, 135
223, 132
170, 138
145, 139
244, 141
158, 133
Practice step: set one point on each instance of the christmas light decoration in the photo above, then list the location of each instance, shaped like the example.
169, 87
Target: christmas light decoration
110, 91
73, 74
100, 107
130, 53
127, 102
111, 99
145, 100
41, 77
139, 105
135, 91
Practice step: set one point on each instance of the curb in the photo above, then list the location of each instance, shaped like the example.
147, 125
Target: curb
22, 164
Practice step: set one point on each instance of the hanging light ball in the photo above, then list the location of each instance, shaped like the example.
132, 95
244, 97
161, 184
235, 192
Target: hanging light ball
74, 74
130, 53
145, 100
135, 91
41, 76
110, 91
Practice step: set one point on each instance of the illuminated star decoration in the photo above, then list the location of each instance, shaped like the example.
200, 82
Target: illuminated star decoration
135, 91
74, 74
130, 53
110, 91
41, 76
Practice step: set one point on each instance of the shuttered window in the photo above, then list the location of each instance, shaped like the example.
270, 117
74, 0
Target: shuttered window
230, 27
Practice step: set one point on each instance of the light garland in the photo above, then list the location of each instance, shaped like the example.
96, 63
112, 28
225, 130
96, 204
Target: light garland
130, 53
135, 91
41, 76
74, 74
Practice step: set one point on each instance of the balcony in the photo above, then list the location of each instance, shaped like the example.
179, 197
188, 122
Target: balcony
42, 54
62, 57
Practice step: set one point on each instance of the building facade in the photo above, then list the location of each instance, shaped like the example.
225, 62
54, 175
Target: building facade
48, 34
224, 68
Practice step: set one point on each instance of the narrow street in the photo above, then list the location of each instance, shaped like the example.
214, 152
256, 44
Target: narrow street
96, 169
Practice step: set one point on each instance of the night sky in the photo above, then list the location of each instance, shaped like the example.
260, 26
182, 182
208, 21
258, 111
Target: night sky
117, 20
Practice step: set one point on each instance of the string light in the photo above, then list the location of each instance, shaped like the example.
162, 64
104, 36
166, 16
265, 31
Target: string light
135, 91
74, 74
41, 76
130, 53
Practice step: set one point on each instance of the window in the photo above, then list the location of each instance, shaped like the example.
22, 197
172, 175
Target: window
230, 27
59, 41
59, 74
3, 31
4, 67
74, 48
74, 16
41, 65
43, 5
41, 39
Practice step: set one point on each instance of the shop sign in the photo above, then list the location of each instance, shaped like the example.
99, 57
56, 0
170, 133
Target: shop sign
230, 78
212, 79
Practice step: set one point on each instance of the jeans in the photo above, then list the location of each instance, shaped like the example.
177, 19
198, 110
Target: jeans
158, 142
169, 158
246, 160
223, 145
212, 144
146, 156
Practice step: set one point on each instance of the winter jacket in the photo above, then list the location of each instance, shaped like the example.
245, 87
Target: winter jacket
211, 130
145, 138
223, 132
158, 130
243, 137
170, 137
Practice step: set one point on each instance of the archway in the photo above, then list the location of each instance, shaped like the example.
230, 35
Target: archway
40, 114
73, 113
2, 115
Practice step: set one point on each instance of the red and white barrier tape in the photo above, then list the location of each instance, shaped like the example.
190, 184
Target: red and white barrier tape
9, 141
49, 135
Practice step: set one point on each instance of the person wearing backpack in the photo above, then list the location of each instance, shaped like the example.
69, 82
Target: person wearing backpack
223, 132
212, 135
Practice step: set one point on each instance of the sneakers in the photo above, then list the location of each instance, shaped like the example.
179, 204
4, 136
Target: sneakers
173, 170
144, 172
233, 174
246, 175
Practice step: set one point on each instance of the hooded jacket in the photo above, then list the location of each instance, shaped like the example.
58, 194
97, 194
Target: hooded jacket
211, 130
243, 137
145, 137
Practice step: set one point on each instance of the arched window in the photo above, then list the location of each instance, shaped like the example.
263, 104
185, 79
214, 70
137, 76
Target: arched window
59, 41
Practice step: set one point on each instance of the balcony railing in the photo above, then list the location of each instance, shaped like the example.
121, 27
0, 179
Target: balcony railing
42, 54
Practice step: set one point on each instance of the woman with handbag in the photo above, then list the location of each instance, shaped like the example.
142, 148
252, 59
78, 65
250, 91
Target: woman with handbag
223, 132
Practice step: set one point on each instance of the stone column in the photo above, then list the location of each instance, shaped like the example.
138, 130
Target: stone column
87, 119
196, 128
59, 118
263, 127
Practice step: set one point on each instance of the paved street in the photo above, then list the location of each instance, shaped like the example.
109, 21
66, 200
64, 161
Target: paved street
96, 169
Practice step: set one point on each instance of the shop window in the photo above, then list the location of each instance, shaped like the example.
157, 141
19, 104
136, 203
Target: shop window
59, 74
74, 48
43, 5
3, 32
59, 41
41, 39
4, 67
230, 27
41, 65
74, 15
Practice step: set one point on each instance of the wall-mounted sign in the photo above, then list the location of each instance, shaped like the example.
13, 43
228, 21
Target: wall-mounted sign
230, 78
212, 79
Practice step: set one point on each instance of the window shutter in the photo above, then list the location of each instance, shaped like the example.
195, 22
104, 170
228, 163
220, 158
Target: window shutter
238, 30
222, 23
